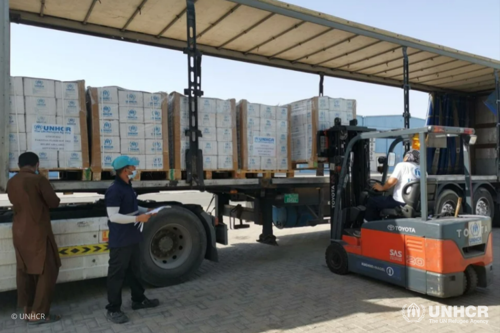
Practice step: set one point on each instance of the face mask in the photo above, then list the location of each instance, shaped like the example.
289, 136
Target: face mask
132, 175
36, 172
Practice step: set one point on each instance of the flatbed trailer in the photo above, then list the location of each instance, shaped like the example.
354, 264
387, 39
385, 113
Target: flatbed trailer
265, 32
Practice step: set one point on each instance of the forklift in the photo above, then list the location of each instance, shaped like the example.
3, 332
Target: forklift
441, 255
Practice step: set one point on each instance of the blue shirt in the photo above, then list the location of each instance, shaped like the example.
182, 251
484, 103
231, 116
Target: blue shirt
121, 194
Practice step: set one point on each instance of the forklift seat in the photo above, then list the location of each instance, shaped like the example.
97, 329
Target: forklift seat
412, 203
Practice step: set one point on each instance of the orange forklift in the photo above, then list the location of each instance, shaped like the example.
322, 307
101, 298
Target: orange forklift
435, 254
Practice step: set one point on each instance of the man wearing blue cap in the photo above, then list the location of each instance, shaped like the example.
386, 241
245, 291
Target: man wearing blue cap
125, 234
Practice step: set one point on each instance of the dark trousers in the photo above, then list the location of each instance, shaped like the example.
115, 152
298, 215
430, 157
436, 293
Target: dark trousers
35, 292
376, 204
124, 264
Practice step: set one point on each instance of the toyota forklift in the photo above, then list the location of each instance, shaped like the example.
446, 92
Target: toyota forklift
444, 255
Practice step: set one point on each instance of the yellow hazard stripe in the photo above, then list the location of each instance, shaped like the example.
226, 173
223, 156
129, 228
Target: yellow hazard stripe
81, 250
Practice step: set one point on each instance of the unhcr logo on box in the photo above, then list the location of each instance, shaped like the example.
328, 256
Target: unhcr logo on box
70, 87
261, 139
133, 130
108, 144
52, 129
106, 111
132, 114
41, 103
39, 84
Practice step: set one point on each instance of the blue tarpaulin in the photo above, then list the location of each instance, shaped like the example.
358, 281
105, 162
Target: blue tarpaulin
491, 102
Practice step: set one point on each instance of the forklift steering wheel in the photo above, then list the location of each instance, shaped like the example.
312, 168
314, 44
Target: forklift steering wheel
370, 190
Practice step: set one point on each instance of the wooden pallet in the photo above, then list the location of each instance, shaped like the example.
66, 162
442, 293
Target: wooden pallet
141, 175
243, 174
68, 174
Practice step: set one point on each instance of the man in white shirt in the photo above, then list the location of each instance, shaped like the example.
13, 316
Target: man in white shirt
404, 173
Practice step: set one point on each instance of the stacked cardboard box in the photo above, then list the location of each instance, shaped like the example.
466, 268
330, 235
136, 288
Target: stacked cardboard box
48, 102
263, 137
217, 123
125, 122
312, 115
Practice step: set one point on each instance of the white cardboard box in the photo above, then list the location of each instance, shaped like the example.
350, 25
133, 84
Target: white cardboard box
16, 87
154, 162
154, 147
110, 144
338, 104
223, 107
208, 147
152, 116
133, 146
17, 123
282, 151
224, 134
253, 110
107, 160
153, 131
253, 124
268, 112
206, 119
225, 162
282, 163
67, 90
69, 160
282, 139
71, 121
130, 114
107, 95
14, 159
152, 100
253, 163
78, 142
268, 163
38, 119
132, 131
109, 112
131, 99
225, 148
16, 104
38, 87
71, 108
282, 113
267, 125
109, 128
207, 105
210, 162
282, 126
323, 103
224, 120
208, 133
40, 105
17, 142
48, 159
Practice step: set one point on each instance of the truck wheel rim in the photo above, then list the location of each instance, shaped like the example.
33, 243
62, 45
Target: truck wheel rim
482, 207
448, 207
171, 246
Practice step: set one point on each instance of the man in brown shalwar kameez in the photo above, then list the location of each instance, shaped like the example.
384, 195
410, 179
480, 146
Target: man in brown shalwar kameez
37, 256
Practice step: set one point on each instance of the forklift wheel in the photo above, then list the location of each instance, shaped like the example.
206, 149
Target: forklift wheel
336, 259
471, 279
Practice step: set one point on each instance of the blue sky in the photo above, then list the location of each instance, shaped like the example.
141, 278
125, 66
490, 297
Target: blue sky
469, 26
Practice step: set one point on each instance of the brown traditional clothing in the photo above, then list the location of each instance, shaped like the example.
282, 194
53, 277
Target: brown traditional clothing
37, 256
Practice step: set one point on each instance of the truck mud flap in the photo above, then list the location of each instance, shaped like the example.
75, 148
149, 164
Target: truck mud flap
221, 234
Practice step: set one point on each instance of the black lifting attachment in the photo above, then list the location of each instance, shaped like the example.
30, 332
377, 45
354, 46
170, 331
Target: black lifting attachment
406, 87
321, 79
194, 156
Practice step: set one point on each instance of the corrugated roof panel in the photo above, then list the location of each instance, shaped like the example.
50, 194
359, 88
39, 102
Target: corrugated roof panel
371, 50
272, 33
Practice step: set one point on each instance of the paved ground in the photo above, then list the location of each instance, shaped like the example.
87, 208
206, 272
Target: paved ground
258, 288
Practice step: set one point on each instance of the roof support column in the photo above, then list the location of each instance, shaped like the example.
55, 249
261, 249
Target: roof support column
194, 156
4, 93
406, 88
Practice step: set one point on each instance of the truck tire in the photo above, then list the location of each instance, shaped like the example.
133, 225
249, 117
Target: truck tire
174, 247
483, 203
447, 202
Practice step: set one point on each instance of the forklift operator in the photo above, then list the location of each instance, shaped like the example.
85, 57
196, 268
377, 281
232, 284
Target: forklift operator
404, 173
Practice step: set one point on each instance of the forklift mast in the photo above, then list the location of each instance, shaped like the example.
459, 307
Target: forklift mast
332, 146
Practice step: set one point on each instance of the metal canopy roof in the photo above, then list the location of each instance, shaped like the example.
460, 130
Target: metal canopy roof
272, 33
